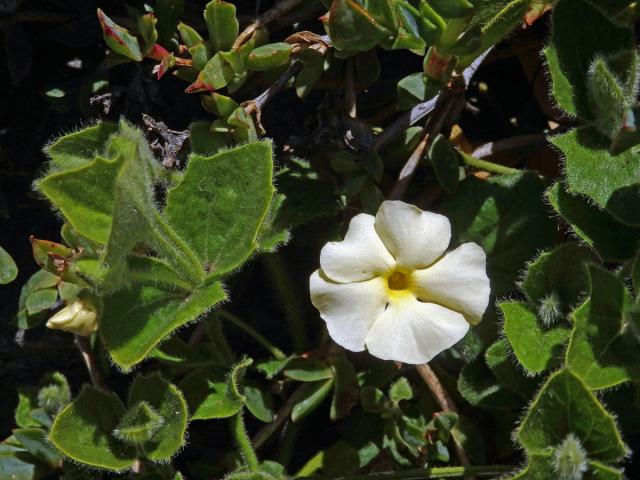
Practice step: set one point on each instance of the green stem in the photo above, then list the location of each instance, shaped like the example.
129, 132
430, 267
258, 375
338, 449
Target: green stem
486, 165
434, 472
257, 336
177, 251
244, 442
286, 294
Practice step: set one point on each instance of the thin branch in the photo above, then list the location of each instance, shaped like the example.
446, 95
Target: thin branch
519, 142
262, 20
256, 105
423, 109
448, 107
252, 332
486, 165
445, 402
89, 359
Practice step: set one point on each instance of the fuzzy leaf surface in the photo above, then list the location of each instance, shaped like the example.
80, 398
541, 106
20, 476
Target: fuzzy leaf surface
221, 203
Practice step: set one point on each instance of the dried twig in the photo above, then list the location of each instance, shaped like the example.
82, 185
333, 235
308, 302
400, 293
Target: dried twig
168, 142
262, 20
510, 144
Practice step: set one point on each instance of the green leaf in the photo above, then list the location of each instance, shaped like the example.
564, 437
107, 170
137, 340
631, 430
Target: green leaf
500, 360
222, 24
574, 44
139, 424
41, 300
535, 349
601, 351
259, 402
119, 39
79, 148
611, 239
560, 271
17, 464
565, 406
307, 370
146, 25
216, 74
413, 89
35, 441
269, 56
417, 24
204, 141
168, 402
499, 214
352, 28
221, 203
445, 163
206, 392
189, 35
38, 281
8, 268
83, 431
479, 386
453, 8
400, 390
592, 171
312, 399
153, 312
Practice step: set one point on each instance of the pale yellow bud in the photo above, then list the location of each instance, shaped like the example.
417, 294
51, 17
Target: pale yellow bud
79, 318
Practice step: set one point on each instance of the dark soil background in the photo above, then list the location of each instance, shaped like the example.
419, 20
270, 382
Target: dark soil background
57, 44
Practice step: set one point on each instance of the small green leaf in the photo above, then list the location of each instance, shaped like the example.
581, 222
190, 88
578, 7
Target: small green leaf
8, 268
259, 402
572, 48
216, 74
446, 166
565, 406
79, 148
83, 431
207, 395
119, 39
591, 170
269, 56
307, 370
16, 463
222, 24
205, 142
400, 390
35, 441
352, 28
499, 358
453, 8
221, 203
611, 239
560, 271
147, 30
314, 396
414, 89
601, 351
139, 424
168, 403
189, 35
479, 386
41, 300
153, 312
535, 349
417, 24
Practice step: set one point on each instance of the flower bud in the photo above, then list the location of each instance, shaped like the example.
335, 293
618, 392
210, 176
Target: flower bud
79, 317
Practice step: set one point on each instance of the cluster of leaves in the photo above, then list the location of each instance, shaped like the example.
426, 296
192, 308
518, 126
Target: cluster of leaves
153, 247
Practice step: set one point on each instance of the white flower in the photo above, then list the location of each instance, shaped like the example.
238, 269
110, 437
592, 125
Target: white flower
79, 318
390, 286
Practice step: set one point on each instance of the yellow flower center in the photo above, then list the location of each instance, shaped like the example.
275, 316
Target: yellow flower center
398, 281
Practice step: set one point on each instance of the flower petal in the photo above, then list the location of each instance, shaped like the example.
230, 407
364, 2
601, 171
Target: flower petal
360, 256
410, 331
348, 308
415, 238
457, 281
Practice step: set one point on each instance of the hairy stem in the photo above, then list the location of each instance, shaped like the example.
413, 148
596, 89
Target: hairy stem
253, 333
239, 432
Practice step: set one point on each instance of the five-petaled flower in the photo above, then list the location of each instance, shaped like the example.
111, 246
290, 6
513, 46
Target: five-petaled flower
390, 286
